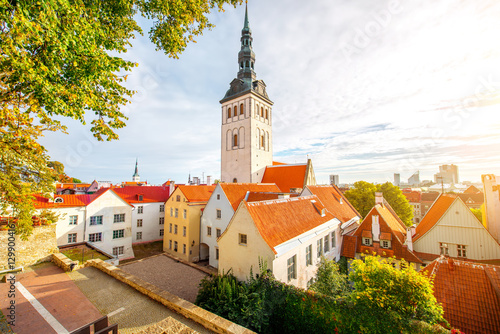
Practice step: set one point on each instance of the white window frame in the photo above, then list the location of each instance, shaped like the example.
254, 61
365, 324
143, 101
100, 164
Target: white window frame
218, 213
138, 236
162, 207
309, 261
162, 232
139, 222
119, 250
291, 268
319, 247
140, 209
72, 238
209, 231
119, 218
118, 234
96, 236
97, 220
242, 239
73, 220
161, 221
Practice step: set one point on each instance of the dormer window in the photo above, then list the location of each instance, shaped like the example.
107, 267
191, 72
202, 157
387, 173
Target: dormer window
385, 240
58, 200
140, 198
367, 241
367, 238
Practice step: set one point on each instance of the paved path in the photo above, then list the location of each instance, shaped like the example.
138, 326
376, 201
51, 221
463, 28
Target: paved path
130, 309
168, 274
51, 289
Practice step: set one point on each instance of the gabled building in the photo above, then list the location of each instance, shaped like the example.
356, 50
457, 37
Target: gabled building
218, 212
469, 293
450, 228
381, 233
103, 219
148, 214
289, 235
290, 178
182, 221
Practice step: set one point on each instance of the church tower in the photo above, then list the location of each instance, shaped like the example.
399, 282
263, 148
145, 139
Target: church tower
136, 177
246, 132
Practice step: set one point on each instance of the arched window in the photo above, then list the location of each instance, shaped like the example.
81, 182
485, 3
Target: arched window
261, 111
262, 140
241, 65
267, 114
235, 180
229, 113
235, 140
241, 137
236, 111
267, 141
247, 64
58, 200
251, 64
241, 109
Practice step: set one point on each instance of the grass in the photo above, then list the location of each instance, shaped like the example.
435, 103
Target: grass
75, 254
142, 251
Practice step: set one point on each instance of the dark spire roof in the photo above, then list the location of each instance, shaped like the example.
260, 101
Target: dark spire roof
136, 169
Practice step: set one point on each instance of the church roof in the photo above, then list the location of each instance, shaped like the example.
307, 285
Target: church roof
286, 177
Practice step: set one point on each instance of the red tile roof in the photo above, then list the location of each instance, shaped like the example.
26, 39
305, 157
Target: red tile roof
349, 246
236, 192
469, 293
72, 185
335, 202
150, 194
436, 211
197, 193
276, 163
429, 196
282, 220
472, 190
68, 201
286, 177
263, 196
412, 196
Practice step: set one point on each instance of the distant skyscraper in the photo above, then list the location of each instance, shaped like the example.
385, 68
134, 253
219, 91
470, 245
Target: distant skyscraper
334, 179
136, 177
447, 174
397, 179
414, 180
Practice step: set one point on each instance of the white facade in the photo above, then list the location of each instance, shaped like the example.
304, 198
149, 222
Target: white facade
491, 213
246, 138
71, 225
148, 221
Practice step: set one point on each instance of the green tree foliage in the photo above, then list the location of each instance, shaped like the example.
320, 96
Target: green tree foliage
362, 197
61, 58
329, 280
478, 213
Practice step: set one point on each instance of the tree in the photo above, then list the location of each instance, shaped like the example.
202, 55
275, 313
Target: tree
329, 281
389, 299
362, 197
478, 213
56, 61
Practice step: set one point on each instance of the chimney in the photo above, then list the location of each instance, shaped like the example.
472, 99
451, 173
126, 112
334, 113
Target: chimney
409, 238
379, 198
451, 264
375, 228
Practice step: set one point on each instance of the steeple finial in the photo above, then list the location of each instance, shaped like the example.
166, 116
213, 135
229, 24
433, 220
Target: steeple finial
246, 56
246, 25
135, 177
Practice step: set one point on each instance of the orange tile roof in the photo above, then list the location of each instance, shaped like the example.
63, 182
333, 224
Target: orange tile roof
281, 220
68, 201
236, 192
332, 198
286, 177
151, 194
412, 196
436, 211
276, 163
472, 190
349, 246
72, 185
197, 193
469, 293
266, 196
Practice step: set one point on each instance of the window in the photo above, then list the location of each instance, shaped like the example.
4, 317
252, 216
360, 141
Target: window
261, 111
235, 111
218, 232
443, 248
162, 220
162, 232
385, 243
218, 196
175, 229
216, 253
241, 109
170, 244
175, 246
184, 231
141, 198
139, 222
73, 220
58, 200
71, 238
320, 247
309, 255
138, 236
367, 241
291, 268
185, 213
170, 228
229, 113
162, 207
117, 234
119, 218
242, 239
96, 220
176, 213
209, 231
218, 213
327, 243
171, 212
184, 248
235, 140
95, 237
118, 251
262, 141
140, 209
334, 240
267, 114
462, 252
178, 198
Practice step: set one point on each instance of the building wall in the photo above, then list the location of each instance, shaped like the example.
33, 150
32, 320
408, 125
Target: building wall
492, 204
107, 205
209, 219
459, 226
150, 222
63, 228
240, 258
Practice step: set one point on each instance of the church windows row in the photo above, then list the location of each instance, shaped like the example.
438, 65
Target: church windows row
246, 64
263, 139
235, 139
235, 111
262, 112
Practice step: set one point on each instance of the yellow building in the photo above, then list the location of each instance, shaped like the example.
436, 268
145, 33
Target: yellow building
182, 221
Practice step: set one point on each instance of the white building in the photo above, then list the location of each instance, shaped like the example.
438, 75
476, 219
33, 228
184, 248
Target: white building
246, 132
491, 215
290, 235
103, 219
148, 214
218, 212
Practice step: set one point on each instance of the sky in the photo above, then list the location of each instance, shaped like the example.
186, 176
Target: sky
364, 88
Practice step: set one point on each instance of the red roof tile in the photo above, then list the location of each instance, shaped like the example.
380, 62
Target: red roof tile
412, 196
349, 246
68, 201
197, 193
436, 211
286, 177
282, 220
149, 194
335, 202
276, 163
236, 192
267, 196
472, 190
469, 293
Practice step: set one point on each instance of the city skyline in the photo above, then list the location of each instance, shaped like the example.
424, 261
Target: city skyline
365, 90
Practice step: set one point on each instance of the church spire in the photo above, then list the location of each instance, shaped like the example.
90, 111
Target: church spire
136, 177
246, 56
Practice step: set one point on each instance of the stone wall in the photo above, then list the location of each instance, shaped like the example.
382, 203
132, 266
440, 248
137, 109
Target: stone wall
189, 310
39, 247
63, 262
